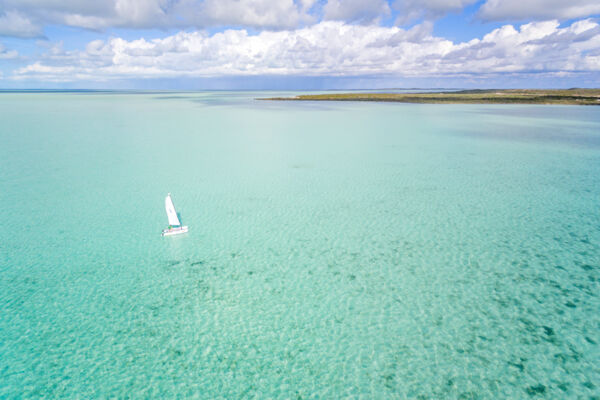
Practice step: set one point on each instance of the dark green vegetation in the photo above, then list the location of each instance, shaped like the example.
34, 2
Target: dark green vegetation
510, 96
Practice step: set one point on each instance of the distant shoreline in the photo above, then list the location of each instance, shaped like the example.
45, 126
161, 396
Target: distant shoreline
502, 96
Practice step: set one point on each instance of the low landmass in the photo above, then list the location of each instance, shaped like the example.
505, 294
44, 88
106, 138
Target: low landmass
503, 96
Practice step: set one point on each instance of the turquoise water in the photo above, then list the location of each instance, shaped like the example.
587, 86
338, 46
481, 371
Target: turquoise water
335, 249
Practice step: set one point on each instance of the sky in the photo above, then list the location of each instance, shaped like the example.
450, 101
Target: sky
299, 44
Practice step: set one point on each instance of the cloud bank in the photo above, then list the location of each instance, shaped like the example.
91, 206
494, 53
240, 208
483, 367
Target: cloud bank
329, 48
27, 18
502, 10
337, 38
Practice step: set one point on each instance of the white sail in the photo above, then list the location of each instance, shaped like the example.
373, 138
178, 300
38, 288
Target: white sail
171, 214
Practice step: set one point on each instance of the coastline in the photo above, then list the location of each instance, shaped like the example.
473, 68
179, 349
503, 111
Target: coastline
501, 96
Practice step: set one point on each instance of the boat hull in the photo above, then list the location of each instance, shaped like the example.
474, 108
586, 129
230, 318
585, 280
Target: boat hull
174, 231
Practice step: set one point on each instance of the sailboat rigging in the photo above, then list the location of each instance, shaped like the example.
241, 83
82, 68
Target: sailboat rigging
175, 226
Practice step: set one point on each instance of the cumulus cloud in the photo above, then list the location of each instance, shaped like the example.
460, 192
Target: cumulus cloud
501, 10
252, 13
540, 47
329, 48
6, 54
410, 10
26, 18
12, 23
307, 4
355, 10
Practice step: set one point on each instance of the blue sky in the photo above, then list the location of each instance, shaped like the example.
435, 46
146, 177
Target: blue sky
298, 44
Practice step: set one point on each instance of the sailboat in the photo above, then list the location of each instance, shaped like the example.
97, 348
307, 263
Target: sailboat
175, 227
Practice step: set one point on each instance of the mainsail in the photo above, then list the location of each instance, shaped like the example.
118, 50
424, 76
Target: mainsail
171, 214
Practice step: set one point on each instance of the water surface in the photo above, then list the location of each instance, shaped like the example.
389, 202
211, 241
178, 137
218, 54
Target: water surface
335, 249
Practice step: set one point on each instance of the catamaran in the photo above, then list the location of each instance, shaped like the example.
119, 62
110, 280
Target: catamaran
175, 227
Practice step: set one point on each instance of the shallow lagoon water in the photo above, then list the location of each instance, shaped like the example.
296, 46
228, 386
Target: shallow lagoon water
335, 249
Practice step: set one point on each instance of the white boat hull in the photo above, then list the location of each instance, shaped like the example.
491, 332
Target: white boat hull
175, 231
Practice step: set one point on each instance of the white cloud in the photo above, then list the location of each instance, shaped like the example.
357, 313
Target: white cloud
252, 13
410, 10
137, 13
307, 4
536, 47
329, 48
355, 10
498, 10
26, 18
6, 54
12, 23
